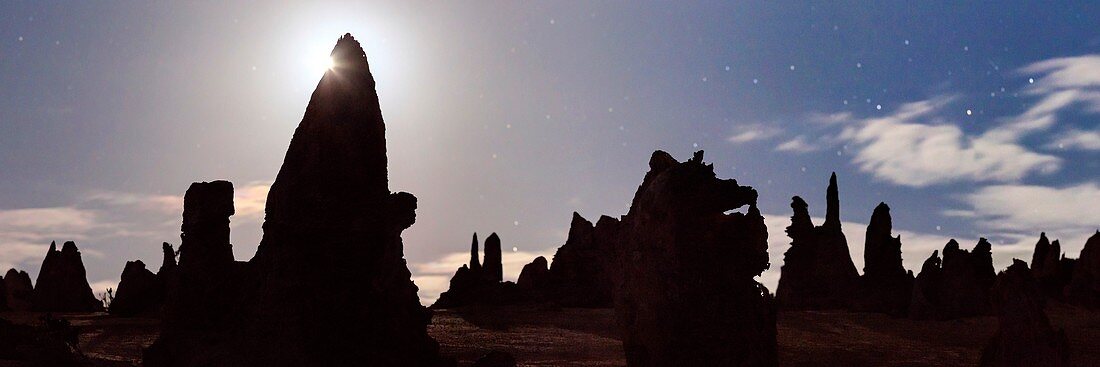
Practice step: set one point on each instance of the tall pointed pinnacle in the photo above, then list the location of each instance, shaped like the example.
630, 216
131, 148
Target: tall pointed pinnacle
475, 264
339, 149
832, 205
1041, 249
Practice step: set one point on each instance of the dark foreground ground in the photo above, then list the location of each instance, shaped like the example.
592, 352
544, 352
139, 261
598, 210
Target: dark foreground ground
586, 337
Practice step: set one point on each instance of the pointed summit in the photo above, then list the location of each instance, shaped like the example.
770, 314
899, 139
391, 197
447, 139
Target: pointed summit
348, 52
475, 265
832, 205
338, 149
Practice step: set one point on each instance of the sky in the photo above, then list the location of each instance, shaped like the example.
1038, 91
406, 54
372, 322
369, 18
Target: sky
969, 119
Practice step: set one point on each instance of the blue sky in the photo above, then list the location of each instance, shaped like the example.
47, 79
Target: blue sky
969, 119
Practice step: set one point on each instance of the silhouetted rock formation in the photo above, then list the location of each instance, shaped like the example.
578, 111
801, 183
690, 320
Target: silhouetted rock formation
1024, 336
534, 276
168, 264
329, 285
1051, 268
204, 289
1084, 288
139, 291
817, 271
958, 286
493, 269
886, 286
477, 284
581, 274
475, 263
687, 296
19, 291
62, 284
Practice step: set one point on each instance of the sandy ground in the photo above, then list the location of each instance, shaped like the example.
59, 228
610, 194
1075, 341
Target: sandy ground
587, 337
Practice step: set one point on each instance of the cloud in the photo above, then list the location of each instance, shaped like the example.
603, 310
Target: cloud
753, 132
250, 201
1077, 72
797, 145
915, 146
1077, 139
1029, 209
923, 143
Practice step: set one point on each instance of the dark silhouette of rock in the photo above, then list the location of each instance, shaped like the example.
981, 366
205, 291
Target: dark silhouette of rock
495, 359
493, 268
817, 271
203, 291
1084, 288
956, 287
1051, 268
466, 285
534, 276
19, 291
475, 263
139, 291
1024, 336
886, 286
62, 284
686, 295
168, 264
328, 285
581, 271
481, 284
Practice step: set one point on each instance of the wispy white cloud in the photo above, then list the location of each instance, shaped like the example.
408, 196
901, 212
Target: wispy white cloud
1076, 139
799, 144
916, 146
924, 143
1026, 210
752, 132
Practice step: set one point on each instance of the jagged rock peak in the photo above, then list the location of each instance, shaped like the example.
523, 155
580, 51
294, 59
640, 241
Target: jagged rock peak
475, 263
349, 51
832, 205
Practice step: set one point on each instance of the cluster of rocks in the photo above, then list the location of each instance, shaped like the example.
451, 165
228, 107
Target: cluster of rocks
481, 282
955, 286
1024, 334
18, 291
62, 284
328, 284
140, 291
818, 272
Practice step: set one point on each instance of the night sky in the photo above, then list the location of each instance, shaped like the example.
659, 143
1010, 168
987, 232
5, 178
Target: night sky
971, 120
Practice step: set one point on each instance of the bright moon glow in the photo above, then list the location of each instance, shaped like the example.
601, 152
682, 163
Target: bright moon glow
320, 64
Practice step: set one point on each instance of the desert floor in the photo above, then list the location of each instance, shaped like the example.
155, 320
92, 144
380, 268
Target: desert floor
586, 337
